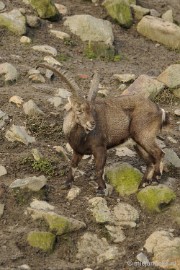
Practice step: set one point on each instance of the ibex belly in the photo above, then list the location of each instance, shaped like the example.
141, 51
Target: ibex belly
117, 128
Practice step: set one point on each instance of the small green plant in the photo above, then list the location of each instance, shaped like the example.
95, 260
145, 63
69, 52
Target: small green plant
117, 58
69, 42
44, 166
89, 51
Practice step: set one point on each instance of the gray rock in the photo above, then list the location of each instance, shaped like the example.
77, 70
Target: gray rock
14, 21
100, 210
94, 250
168, 16
56, 101
24, 267
25, 40
60, 34
171, 157
57, 223
63, 93
176, 92
145, 86
89, 28
154, 13
124, 78
10, 72
165, 249
161, 31
33, 183
31, 109
1, 209
36, 154
122, 151
33, 21
170, 77
142, 258
3, 170
62, 9
177, 112
3, 118
2, 5
41, 205
45, 49
18, 133
73, 193
125, 215
116, 233
139, 11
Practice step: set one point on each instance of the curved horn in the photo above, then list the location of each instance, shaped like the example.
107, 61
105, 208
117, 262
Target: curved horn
94, 87
64, 75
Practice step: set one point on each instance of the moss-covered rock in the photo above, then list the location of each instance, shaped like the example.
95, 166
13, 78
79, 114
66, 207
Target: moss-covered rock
124, 178
57, 223
45, 9
120, 10
41, 240
155, 198
14, 21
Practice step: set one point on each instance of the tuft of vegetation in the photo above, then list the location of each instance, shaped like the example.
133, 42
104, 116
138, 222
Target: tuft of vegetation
63, 57
166, 97
94, 50
43, 165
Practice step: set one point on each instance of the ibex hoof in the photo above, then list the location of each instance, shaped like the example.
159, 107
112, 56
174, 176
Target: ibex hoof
102, 192
66, 185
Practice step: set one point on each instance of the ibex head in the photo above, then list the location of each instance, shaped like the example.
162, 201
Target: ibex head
83, 109
83, 113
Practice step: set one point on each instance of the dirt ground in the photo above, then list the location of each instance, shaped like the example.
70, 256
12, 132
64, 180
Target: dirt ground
138, 56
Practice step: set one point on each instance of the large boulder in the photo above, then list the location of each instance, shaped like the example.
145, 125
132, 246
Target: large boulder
154, 198
145, 86
45, 9
170, 77
161, 31
14, 21
89, 28
120, 10
124, 178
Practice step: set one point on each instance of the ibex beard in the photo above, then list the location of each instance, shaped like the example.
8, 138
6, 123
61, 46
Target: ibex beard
92, 126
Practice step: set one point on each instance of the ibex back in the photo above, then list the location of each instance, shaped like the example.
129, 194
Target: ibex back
94, 125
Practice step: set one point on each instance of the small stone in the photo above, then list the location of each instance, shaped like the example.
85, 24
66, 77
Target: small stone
3, 118
36, 154
46, 49
30, 108
33, 21
177, 112
62, 9
73, 193
17, 100
41, 205
124, 77
60, 34
139, 11
56, 101
63, 93
171, 157
37, 78
172, 140
2, 5
125, 215
24, 267
142, 258
154, 13
3, 170
25, 40
122, 151
1, 209
100, 210
168, 16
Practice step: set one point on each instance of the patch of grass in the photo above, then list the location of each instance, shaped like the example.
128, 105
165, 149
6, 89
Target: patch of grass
43, 165
69, 42
99, 50
63, 57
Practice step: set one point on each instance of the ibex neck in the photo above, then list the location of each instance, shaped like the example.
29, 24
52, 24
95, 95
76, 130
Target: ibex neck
69, 123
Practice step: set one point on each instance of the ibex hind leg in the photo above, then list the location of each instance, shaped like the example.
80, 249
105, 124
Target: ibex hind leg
76, 158
155, 157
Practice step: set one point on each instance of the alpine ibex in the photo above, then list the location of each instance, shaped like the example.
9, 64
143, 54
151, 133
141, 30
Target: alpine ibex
92, 126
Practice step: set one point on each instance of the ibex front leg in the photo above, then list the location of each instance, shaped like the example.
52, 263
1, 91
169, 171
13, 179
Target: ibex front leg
100, 159
76, 158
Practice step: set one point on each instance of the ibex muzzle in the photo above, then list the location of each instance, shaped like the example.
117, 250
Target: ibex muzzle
94, 125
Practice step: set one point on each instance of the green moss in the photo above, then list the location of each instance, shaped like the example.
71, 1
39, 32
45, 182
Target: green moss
58, 224
120, 10
45, 9
18, 29
155, 198
124, 178
42, 240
